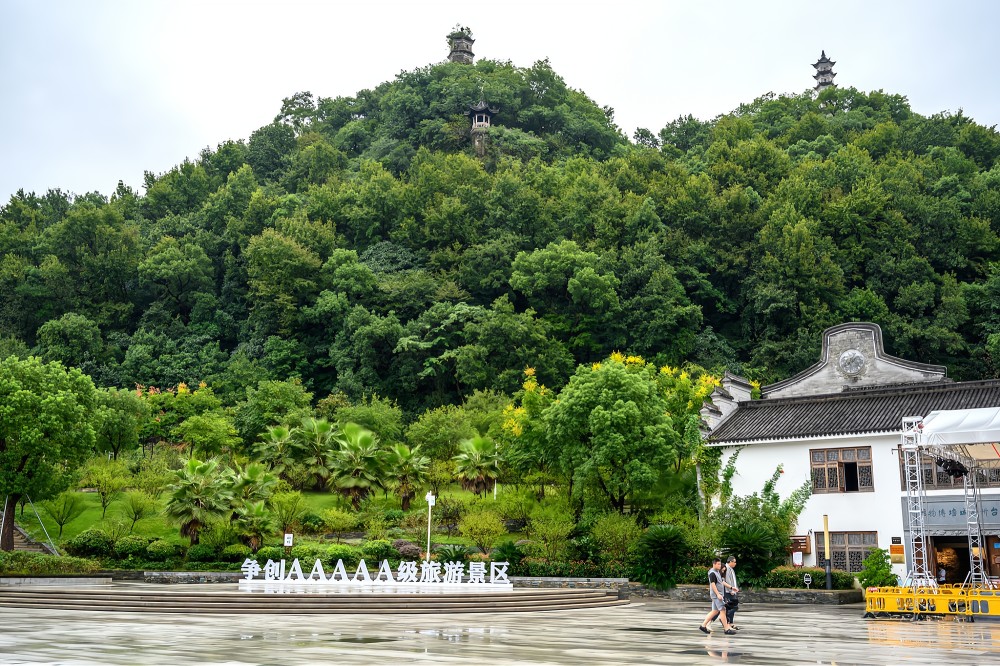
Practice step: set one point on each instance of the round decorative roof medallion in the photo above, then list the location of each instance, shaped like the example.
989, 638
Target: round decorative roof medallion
852, 361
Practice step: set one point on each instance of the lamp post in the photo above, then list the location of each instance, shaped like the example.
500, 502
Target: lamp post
430, 502
826, 551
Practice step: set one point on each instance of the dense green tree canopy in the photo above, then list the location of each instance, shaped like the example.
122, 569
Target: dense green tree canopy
360, 246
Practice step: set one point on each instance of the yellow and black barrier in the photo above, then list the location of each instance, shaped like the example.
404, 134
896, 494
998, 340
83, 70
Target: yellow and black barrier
945, 600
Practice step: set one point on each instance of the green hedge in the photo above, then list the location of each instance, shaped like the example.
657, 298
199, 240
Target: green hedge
785, 577
21, 563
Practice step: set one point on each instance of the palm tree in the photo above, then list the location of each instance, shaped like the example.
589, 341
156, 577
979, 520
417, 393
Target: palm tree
477, 464
406, 469
198, 496
317, 439
253, 483
255, 521
358, 465
277, 449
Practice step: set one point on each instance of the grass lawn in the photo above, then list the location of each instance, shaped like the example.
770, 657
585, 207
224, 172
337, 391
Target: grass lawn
154, 527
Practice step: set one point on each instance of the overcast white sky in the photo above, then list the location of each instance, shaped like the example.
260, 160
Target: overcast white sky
96, 91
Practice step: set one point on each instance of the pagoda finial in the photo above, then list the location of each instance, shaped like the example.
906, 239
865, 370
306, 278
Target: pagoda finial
824, 72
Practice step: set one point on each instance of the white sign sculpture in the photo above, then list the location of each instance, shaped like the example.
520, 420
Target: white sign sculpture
409, 576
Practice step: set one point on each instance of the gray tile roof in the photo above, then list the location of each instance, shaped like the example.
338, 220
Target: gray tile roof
876, 409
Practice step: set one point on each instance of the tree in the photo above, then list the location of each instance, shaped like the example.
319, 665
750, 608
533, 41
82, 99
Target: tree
608, 429
316, 440
277, 449
138, 505
198, 496
438, 431
72, 339
406, 470
208, 434
178, 269
357, 465
271, 403
119, 420
64, 509
477, 464
109, 479
255, 520
45, 431
483, 527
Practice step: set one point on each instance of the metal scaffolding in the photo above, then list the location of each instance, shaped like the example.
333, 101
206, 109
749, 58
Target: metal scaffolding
957, 463
920, 574
973, 510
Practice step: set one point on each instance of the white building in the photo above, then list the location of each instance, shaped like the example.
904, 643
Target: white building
838, 425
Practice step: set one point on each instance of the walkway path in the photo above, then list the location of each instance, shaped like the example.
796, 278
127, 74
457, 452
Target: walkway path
651, 632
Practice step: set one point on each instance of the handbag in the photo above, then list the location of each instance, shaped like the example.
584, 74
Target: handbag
731, 600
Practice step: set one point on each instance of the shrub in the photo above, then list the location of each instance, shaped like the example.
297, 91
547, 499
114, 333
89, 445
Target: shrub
376, 528
616, 535
236, 552
339, 551
270, 553
91, 543
23, 563
692, 574
377, 550
792, 577
219, 535
394, 517
415, 524
161, 550
876, 570
549, 528
508, 551
452, 552
514, 508
757, 547
131, 545
202, 552
311, 523
534, 566
484, 528
338, 521
407, 550
308, 552
661, 552
449, 512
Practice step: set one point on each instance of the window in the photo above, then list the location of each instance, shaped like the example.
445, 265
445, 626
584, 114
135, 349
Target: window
847, 549
935, 478
842, 470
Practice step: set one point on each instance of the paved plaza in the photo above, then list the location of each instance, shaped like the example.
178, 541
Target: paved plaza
648, 631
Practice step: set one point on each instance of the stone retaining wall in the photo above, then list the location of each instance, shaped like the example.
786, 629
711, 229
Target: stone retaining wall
54, 581
627, 589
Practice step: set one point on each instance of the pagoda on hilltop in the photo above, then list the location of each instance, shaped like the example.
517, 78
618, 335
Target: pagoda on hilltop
460, 42
824, 73
481, 114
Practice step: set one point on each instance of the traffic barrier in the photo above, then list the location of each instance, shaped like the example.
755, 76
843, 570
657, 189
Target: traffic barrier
945, 600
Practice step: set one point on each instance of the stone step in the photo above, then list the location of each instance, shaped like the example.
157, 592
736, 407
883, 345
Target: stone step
240, 603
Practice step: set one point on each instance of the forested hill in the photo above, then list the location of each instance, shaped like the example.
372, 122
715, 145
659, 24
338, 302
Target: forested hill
361, 245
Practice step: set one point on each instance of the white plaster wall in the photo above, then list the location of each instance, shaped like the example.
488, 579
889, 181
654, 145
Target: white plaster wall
877, 511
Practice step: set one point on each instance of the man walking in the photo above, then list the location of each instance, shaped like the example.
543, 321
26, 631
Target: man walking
716, 585
731, 591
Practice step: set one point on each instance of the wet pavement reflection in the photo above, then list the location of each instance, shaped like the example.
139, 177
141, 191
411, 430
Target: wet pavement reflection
650, 631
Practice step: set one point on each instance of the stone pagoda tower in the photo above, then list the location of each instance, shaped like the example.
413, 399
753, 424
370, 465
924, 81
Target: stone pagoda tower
481, 114
824, 73
460, 42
